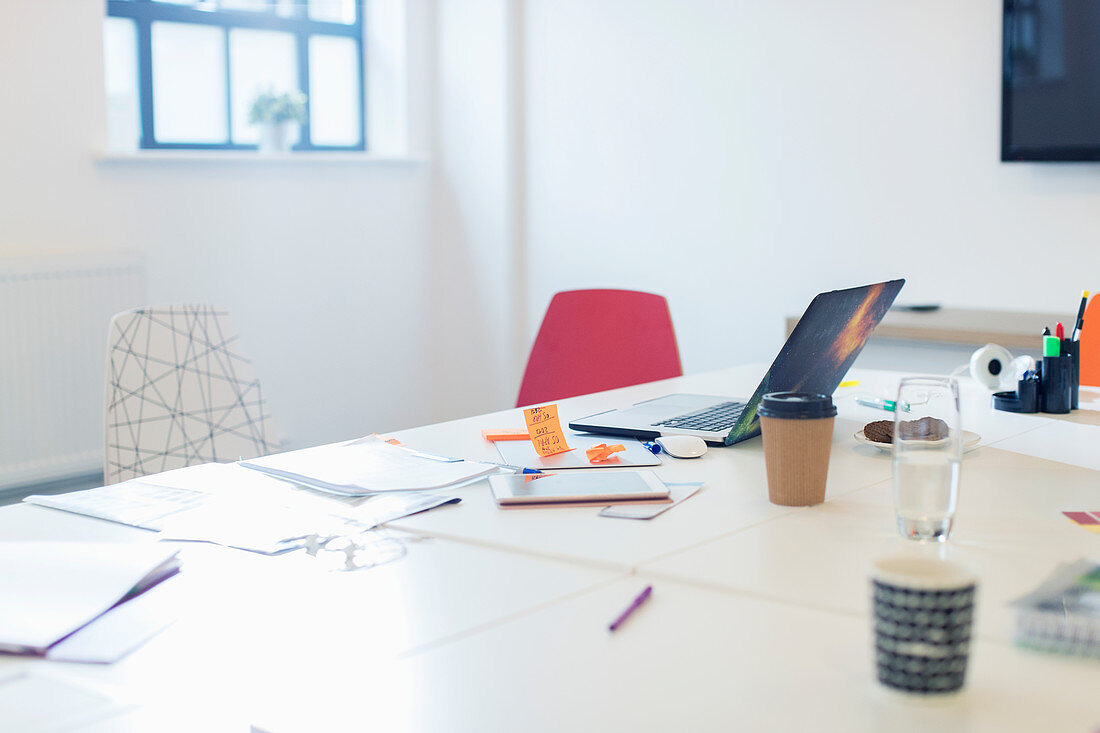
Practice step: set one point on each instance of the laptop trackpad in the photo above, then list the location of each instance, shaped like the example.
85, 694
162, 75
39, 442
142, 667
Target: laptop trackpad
672, 405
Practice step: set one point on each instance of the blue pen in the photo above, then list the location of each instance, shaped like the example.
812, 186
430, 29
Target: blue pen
650, 446
517, 469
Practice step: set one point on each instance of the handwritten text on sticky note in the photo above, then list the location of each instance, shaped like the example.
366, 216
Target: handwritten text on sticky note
545, 430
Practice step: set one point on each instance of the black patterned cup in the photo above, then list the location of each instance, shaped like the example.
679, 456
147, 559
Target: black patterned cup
923, 608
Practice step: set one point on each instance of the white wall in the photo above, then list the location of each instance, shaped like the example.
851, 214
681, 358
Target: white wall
330, 270
474, 292
737, 155
740, 156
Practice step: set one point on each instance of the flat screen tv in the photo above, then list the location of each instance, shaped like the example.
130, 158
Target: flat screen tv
1050, 94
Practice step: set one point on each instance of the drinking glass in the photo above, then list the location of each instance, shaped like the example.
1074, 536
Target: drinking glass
927, 453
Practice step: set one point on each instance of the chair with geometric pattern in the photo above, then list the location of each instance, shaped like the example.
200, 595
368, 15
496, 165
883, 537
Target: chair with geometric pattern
179, 392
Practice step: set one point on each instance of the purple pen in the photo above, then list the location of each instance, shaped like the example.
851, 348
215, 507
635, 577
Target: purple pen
631, 608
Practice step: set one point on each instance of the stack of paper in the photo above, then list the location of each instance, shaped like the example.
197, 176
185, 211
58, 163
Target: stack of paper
48, 590
367, 466
229, 505
134, 503
1063, 614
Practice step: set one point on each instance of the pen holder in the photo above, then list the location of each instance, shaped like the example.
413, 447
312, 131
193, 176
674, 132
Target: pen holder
1024, 399
1071, 350
1056, 387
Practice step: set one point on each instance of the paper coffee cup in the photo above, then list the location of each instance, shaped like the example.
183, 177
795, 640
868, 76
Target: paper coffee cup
923, 610
798, 435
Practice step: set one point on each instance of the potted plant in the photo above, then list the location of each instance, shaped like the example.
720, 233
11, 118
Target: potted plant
275, 113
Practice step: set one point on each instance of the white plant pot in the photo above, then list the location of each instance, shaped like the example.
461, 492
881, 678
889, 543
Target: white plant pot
275, 137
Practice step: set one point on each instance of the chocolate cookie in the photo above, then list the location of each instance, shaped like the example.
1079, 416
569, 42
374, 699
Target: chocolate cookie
879, 431
926, 428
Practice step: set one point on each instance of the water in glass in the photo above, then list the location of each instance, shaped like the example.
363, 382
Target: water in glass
927, 454
926, 489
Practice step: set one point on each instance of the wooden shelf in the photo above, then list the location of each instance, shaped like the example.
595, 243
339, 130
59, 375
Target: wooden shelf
1011, 329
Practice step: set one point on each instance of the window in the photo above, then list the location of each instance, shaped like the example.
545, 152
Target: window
184, 73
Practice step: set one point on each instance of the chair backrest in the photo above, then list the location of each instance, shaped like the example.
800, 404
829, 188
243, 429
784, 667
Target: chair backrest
179, 392
592, 340
1090, 344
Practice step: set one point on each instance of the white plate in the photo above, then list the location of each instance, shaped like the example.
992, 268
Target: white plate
970, 440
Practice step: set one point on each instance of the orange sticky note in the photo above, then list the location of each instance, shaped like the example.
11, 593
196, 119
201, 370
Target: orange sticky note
391, 441
602, 452
545, 430
504, 434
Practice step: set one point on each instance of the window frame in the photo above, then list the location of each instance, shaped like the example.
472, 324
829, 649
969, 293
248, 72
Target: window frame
145, 12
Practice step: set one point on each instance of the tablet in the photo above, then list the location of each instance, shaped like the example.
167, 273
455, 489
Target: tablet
585, 488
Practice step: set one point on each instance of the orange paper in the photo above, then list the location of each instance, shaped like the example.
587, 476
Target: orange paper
545, 430
603, 451
504, 434
1089, 345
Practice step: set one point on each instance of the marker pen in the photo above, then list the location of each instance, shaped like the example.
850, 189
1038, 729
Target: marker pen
1077, 324
888, 405
1075, 350
1067, 348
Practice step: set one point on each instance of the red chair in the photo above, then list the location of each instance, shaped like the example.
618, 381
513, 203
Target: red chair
592, 340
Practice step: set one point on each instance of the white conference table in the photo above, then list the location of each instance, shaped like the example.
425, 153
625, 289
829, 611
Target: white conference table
496, 620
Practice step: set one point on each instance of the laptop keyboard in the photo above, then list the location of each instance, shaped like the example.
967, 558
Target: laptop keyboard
718, 417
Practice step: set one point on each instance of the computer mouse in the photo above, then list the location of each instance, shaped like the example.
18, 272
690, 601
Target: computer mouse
682, 446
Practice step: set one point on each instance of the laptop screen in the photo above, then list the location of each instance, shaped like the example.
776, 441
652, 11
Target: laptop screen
822, 347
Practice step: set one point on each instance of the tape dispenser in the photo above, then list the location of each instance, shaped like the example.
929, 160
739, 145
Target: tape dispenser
994, 367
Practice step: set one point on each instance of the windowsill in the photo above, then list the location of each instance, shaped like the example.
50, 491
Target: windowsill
250, 156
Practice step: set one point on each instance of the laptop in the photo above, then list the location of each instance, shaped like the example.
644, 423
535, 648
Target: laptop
817, 355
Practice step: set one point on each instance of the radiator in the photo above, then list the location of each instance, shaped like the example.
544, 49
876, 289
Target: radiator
54, 313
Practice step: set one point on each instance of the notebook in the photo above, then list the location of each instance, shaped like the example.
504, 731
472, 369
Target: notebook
48, 590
